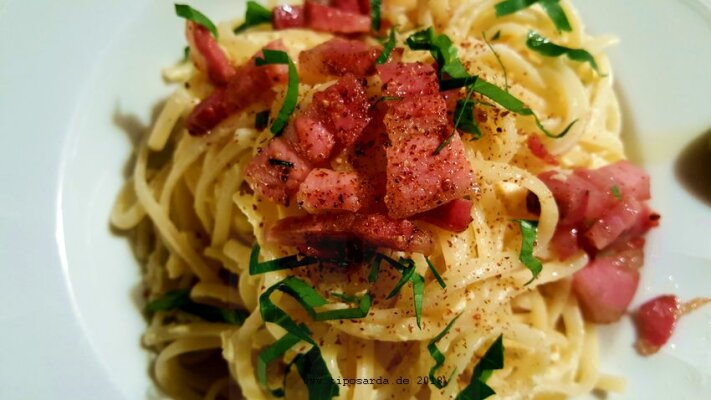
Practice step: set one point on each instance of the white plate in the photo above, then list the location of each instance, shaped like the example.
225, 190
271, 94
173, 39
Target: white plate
76, 76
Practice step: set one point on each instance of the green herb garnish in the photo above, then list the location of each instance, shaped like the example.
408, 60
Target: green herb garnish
552, 8
387, 47
315, 374
261, 120
186, 53
438, 356
442, 50
375, 6
498, 59
271, 353
529, 230
406, 267
288, 262
463, 119
496, 36
616, 192
436, 274
191, 14
180, 300
256, 14
545, 47
345, 297
292, 91
281, 163
493, 359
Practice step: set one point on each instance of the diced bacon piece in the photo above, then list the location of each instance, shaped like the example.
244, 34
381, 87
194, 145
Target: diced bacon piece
364, 6
351, 6
614, 223
408, 79
605, 289
418, 180
330, 19
539, 150
319, 230
571, 195
367, 157
269, 177
249, 85
343, 108
565, 241
313, 139
631, 180
207, 55
655, 321
327, 190
287, 16
454, 216
337, 57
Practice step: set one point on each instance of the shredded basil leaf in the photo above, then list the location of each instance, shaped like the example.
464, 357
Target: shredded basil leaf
496, 36
387, 47
256, 14
315, 374
189, 13
180, 300
493, 359
288, 262
436, 274
438, 356
498, 59
292, 91
405, 278
186, 53
406, 267
464, 116
545, 47
552, 8
375, 6
616, 192
529, 230
271, 353
442, 50
418, 292
261, 120
345, 297
374, 268
502, 98
281, 163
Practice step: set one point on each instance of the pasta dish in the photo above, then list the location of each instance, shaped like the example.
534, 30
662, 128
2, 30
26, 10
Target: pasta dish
386, 200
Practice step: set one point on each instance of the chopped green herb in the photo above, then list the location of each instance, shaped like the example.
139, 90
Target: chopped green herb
374, 268
191, 14
375, 6
309, 299
529, 229
315, 374
387, 47
288, 262
186, 53
256, 14
292, 91
616, 192
345, 297
493, 359
281, 163
442, 50
498, 59
271, 353
436, 274
418, 292
463, 119
438, 356
261, 120
406, 267
545, 47
180, 300
496, 36
405, 278
552, 8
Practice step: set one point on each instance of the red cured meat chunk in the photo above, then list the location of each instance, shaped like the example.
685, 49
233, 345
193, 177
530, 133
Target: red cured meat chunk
337, 57
287, 16
408, 79
207, 55
272, 179
454, 216
331, 19
327, 190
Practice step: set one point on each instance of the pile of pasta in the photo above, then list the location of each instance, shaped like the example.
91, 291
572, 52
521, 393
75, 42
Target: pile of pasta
193, 223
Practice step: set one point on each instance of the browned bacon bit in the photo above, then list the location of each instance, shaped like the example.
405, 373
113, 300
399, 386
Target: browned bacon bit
321, 231
331, 19
656, 320
249, 84
277, 182
207, 55
418, 180
287, 16
454, 216
408, 79
539, 150
327, 190
337, 57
